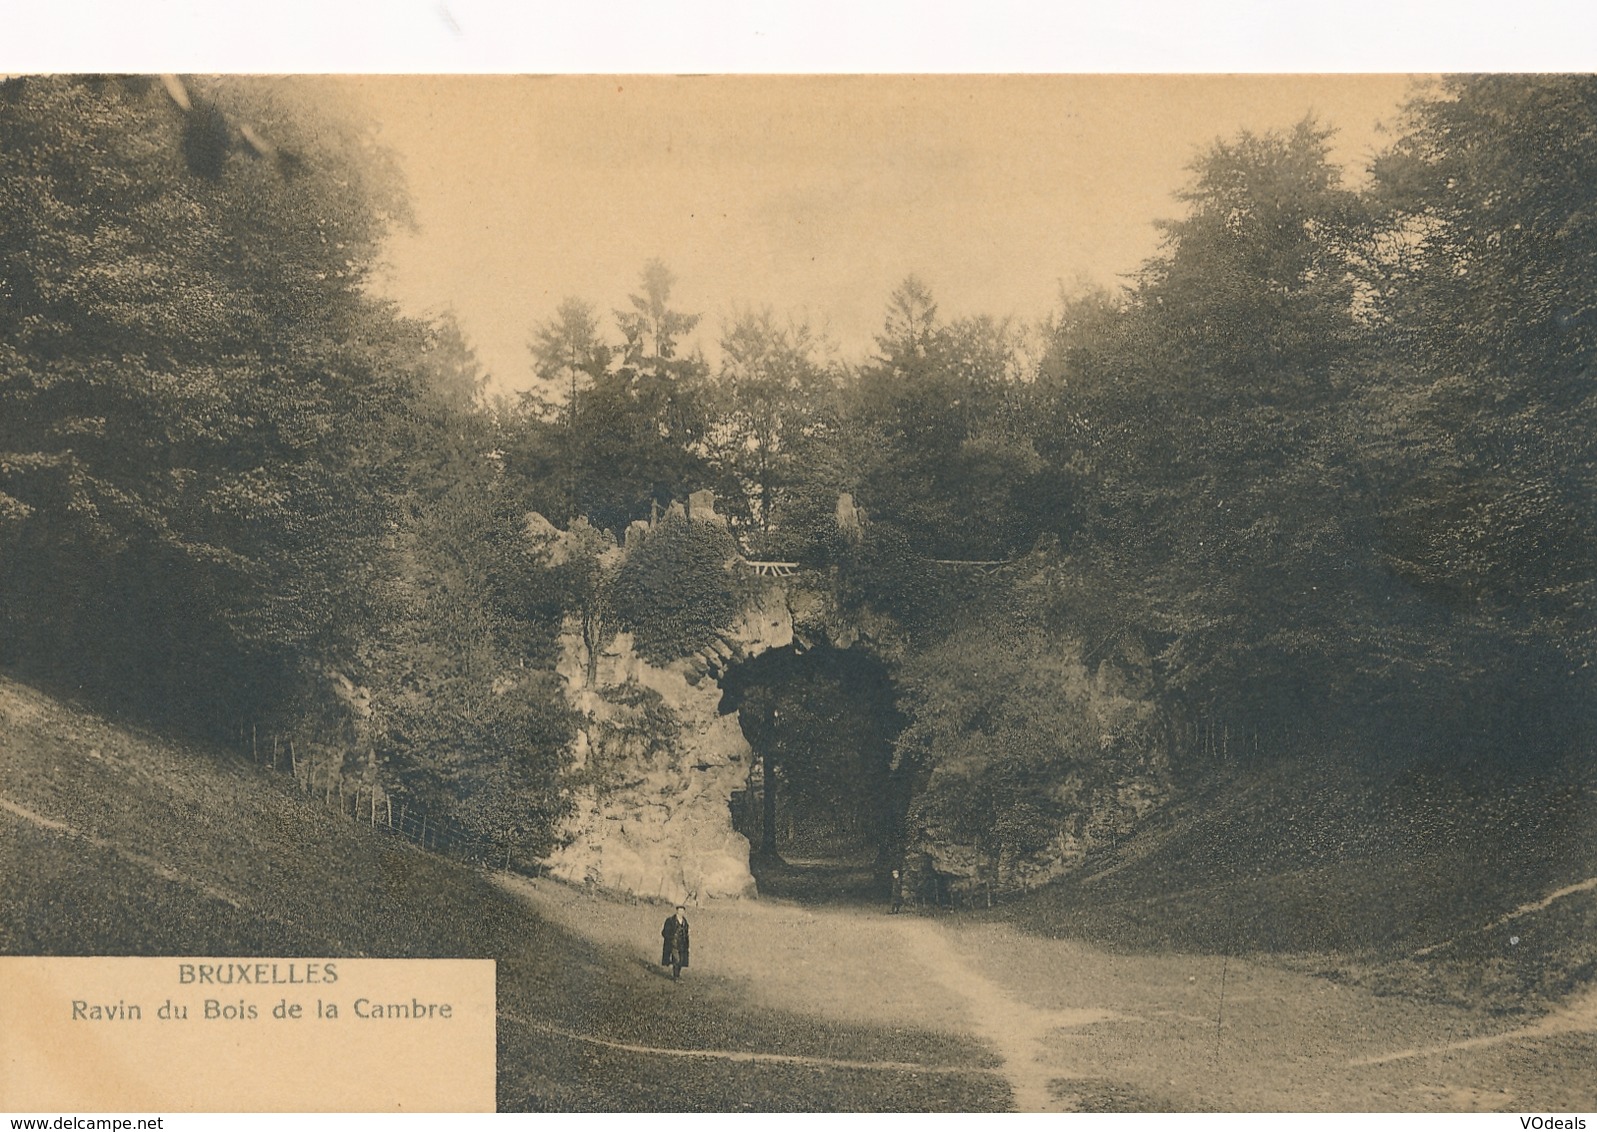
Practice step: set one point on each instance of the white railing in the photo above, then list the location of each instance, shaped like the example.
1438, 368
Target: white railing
771, 569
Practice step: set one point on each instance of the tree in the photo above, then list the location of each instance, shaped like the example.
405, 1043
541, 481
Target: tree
632, 439
569, 357
651, 329
768, 393
1227, 510
955, 463
196, 395
910, 322
1485, 297
1254, 290
567, 351
468, 717
673, 590
581, 574
232, 479
1003, 740
1492, 180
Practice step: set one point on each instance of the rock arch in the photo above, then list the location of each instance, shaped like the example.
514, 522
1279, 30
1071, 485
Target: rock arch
655, 763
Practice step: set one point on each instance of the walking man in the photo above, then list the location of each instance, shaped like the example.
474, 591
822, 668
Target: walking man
674, 942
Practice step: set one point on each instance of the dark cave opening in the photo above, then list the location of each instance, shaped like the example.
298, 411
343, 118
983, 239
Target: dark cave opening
824, 807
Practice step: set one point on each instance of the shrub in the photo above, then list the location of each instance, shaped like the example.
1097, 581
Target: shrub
674, 591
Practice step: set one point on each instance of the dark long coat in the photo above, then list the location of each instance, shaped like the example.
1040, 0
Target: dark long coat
674, 934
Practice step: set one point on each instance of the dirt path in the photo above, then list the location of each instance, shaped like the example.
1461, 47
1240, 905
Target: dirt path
1077, 1028
158, 868
1014, 1028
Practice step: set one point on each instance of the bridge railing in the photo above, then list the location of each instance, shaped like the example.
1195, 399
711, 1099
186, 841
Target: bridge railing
771, 569
765, 569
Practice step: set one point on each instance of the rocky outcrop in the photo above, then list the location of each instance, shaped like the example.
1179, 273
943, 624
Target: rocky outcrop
656, 763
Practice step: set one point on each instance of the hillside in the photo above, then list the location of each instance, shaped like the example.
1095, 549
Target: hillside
1289, 939
116, 842
1473, 885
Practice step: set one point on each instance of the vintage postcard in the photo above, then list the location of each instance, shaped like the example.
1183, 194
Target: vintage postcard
907, 593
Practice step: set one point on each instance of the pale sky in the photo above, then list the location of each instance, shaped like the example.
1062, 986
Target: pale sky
811, 195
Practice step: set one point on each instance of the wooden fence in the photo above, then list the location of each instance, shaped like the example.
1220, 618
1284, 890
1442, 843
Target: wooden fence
369, 804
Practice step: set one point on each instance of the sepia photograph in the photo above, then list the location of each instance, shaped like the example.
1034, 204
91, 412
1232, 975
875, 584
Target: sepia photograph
891, 593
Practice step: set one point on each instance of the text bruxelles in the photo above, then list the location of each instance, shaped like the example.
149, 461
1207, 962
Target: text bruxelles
261, 974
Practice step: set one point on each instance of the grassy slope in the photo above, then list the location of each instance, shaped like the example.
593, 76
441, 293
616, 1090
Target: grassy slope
186, 851
1351, 875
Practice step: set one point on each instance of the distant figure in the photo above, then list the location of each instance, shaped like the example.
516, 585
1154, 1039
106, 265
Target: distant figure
898, 891
674, 942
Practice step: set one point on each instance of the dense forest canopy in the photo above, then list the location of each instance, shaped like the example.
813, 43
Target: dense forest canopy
1325, 469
